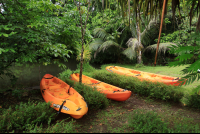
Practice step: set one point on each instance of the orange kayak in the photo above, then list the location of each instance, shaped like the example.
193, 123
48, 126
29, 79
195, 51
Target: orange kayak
168, 80
63, 98
112, 92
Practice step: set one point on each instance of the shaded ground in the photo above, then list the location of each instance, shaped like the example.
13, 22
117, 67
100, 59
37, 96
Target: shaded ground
115, 117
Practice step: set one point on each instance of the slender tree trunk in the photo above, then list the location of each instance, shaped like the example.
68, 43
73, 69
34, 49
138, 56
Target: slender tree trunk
198, 24
160, 31
140, 57
83, 29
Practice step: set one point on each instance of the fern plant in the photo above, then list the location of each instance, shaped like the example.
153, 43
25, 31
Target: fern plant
187, 53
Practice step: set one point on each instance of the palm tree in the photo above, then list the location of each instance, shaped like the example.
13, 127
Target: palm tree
135, 43
104, 40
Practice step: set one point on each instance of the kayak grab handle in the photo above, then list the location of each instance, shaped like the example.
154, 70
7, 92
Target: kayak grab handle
138, 75
43, 90
176, 79
116, 91
111, 67
78, 109
119, 91
109, 70
124, 90
61, 106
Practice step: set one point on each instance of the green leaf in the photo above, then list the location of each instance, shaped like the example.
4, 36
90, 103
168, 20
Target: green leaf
56, 54
184, 57
1, 50
6, 35
47, 49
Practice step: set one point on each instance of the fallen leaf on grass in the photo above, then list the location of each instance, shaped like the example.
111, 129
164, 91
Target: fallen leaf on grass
122, 113
130, 110
100, 124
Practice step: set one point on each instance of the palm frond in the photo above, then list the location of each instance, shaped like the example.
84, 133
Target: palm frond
100, 33
133, 28
149, 32
149, 26
163, 47
107, 44
86, 52
133, 42
130, 52
96, 44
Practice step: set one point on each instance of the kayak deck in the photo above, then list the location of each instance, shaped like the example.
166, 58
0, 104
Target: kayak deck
112, 92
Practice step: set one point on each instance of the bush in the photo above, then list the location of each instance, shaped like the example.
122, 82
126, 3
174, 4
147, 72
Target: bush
193, 99
26, 114
65, 75
148, 122
145, 88
86, 67
59, 127
94, 98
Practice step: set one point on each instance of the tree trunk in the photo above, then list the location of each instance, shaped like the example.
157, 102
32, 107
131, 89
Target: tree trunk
83, 29
81, 66
139, 56
198, 24
160, 31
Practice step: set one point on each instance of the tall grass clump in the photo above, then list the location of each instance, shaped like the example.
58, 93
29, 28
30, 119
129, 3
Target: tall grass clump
26, 114
144, 88
147, 122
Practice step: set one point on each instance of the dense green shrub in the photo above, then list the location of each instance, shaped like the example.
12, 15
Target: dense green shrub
94, 98
26, 114
86, 67
147, 122
193, 99
65, 75
59, 127
145, 88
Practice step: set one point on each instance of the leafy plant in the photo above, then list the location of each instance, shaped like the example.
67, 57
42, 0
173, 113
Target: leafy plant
65, 74
26, 114
59, 127
94, 98
147, 122
193, 99
86, 67
86, 52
